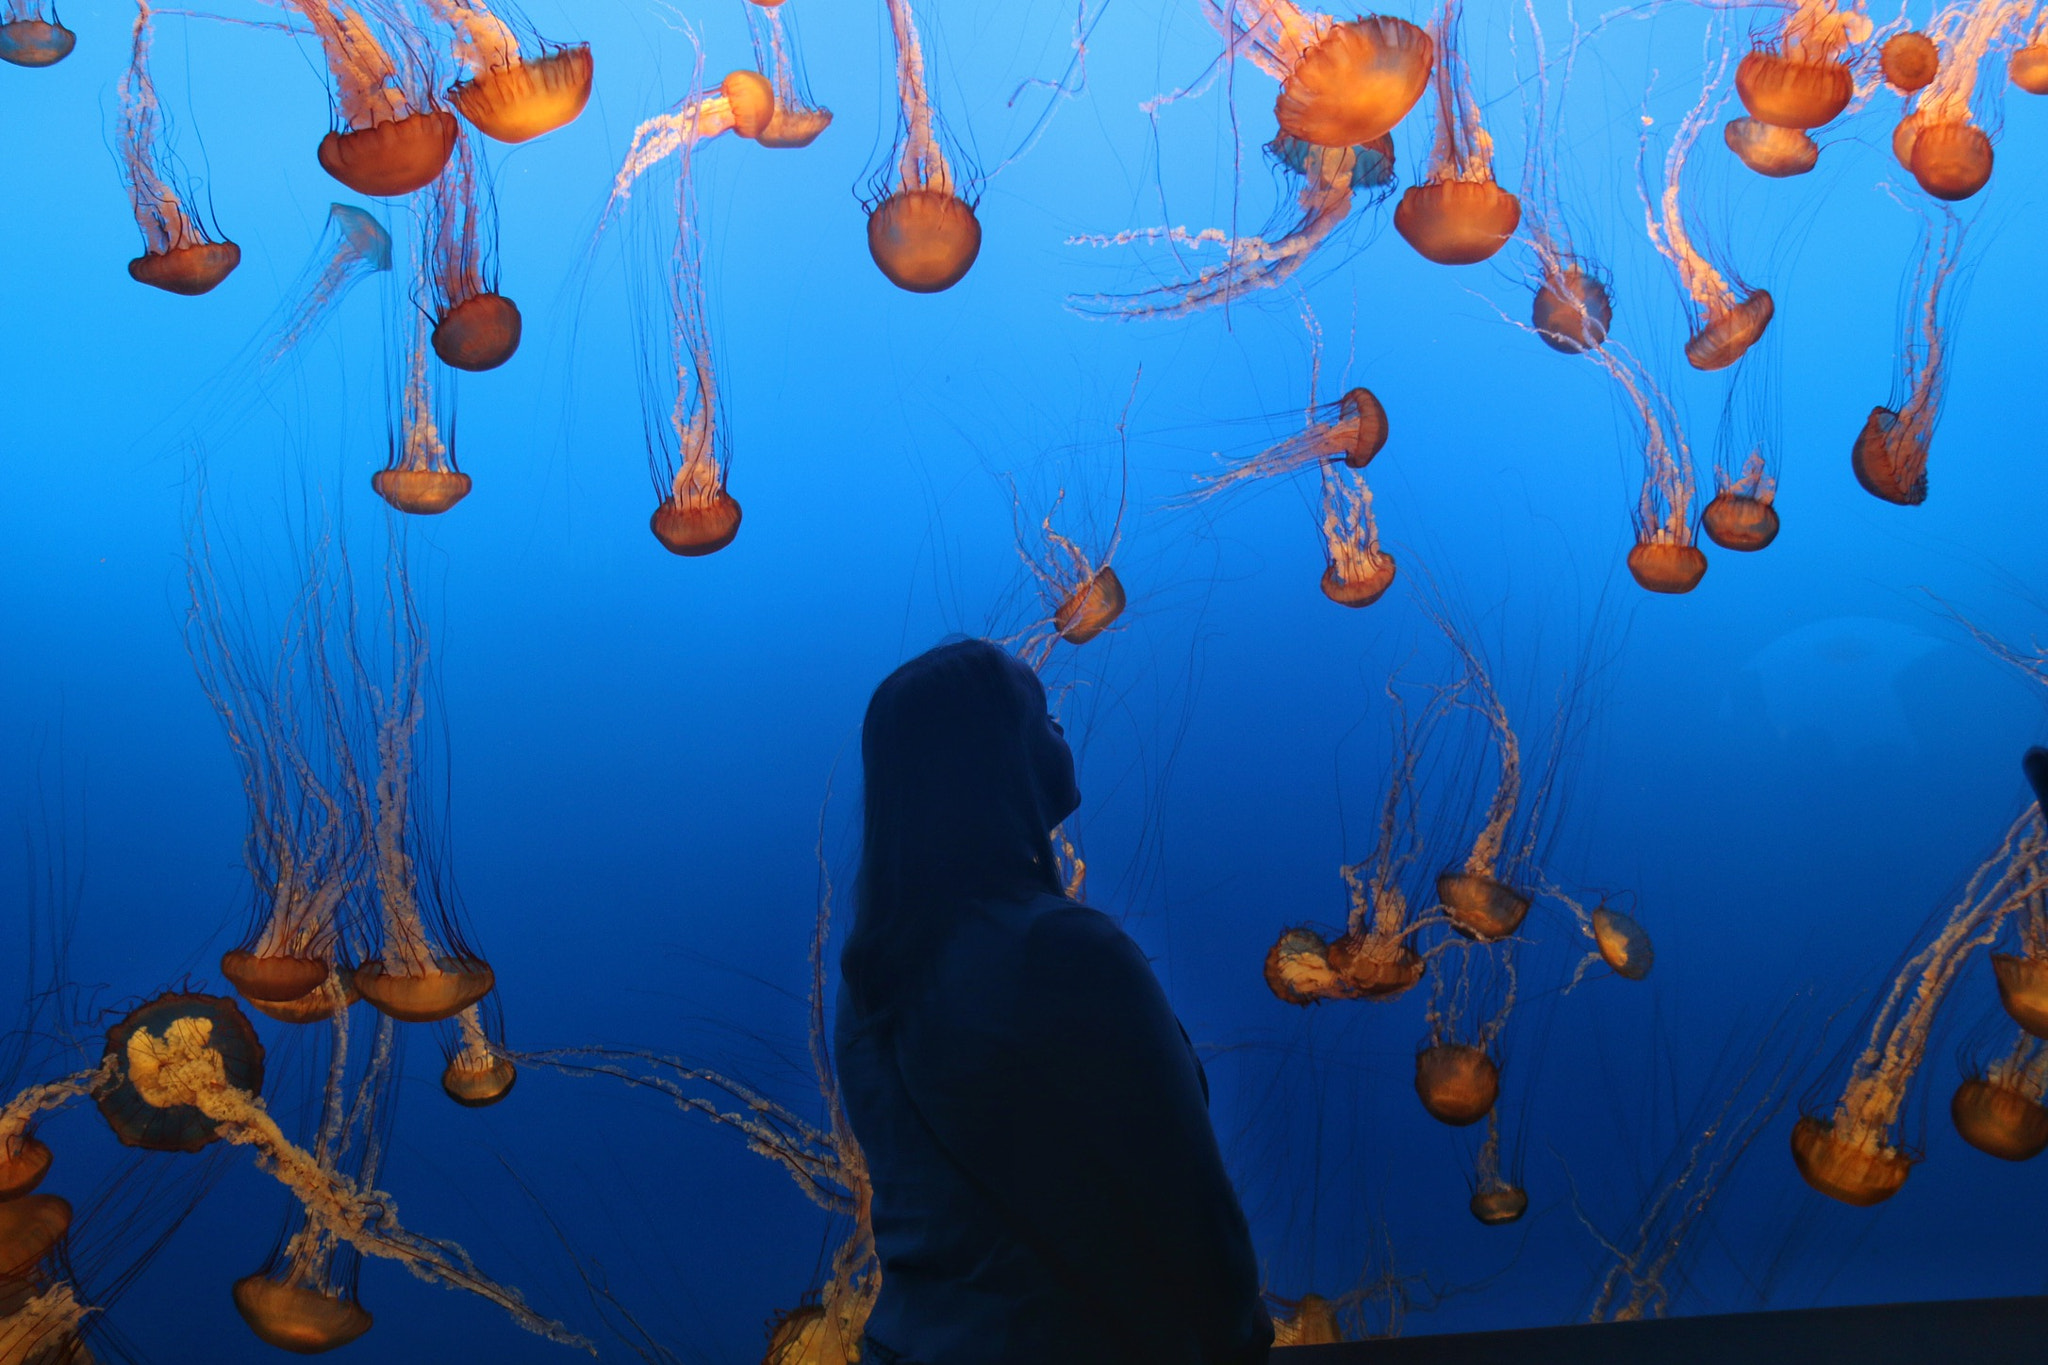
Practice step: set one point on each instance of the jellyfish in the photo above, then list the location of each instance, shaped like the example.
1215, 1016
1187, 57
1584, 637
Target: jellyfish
1477, 895
178, 255
353, 247
24, 1158
420, 476
32, 35
1350, 431
479, 1071
797, 121
2000, 1110
1727, 317
1458, 215
1458, 1070
1616, 937
1938, 139
1889, 456
181, 1059
1082, 594
743, 105
1802, 79
1573, 308
922, 232
1855, 1153
1909, 61
475, 327
1498, 1197
1340, 83
506, 95
1743, 513
1356, 571
2022, 977
392, 140
1665, 557
2028, 66
1310, 1320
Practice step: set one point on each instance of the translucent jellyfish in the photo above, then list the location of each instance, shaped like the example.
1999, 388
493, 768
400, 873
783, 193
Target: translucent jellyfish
743, 105
1356, 571
1457, 1070
2000, 1110
797, 120
1616, 937
1498, 1197
1939, 139
176, 1063
1802, 78
1458, 215
1727, 318
1769, 149
420, 475
1664, 558
1082, 594
1298, 969
1889, 455
156, 1125
922, 231
178, 254
1909, 61
287, 725
479, 1070
2028, 65
1341, 83
32, 35
475, 327
392, 140
507, 95
1573, 308
1855, 1153
353, 247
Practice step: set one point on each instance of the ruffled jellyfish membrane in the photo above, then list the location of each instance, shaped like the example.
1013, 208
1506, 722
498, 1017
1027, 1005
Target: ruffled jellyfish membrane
1356, 571
1350, 431
922, 233
353, 247
420, 476
1909, 61
1298, 969
1340, 83
475, 327
30, 1229
27, 38
1947, 152
2000, 1111
478, 1072
1310, 1320
1853, 1153
179, 256
212, 1022
507, 96
1802, 79
797, 120
391, 141
1458, 215
1742, 515
1457, 1083
1889, 455
1769, 149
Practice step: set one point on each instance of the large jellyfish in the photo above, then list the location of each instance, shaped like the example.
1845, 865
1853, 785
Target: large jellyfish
178, 254
1855, 1153
1573, 308
31, 34
1940, 140
353, 247
1458, 215
1665, 557
1727, 317
475, 327
1889, 455
2002, 1109
922, 231
420, 475
797, 121
392, 140
505, 94
1802, 77
1341, 83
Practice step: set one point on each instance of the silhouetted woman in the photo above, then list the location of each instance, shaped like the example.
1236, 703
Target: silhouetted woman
1047, 1187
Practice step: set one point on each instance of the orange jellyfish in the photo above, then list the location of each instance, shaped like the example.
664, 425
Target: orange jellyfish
1889, 455
1938, 140
1743, 513
1356, 571
1298, 969
1498, 1197
1727, 318
1909, 61
2028, 65
922, 232
178, 255
1082, 594
743, 105
1573, 308
797, 120
507, 95
1855, 1153
1310, 1320
29, 38
1617, 938
1458, 215
1350, 431
1457, 1069
353, 247
479, 1071
1478, 894
2001, 1110
392, 140
2022, 977
420, 475
1665, 557
1340, 83
475, 327
1803, 78
24, 1158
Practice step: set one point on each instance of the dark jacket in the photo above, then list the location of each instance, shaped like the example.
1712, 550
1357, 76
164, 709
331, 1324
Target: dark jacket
1047, 1186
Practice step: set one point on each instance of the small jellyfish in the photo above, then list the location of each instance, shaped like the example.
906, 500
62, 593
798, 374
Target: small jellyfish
2027, 67
2000, 1110
1938, 140
1803, 77
1573, 308
32, 35
1909, 61
1477, 895
179, 255
1310, 1320
1341, 83
1082, 594
1854, 1153
1459, 214
1664, 558
1356, 571
479, 1071
1770, 149
1727, 318
743, 105
506, 95
1350, 431
2022, 977
1457, 1071
141, 1117
1889, 455
475, 327
1298, 969
392, 140
420, 476
1742, 514
922, 232
30, 1229
797, 120
353, 247
1498, 1197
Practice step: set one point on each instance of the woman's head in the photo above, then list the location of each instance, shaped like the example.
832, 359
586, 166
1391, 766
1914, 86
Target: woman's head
964, 776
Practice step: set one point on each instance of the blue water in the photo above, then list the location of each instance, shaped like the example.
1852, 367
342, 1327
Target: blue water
1790, 767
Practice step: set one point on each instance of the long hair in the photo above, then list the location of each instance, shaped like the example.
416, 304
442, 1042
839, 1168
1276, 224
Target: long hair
952, 811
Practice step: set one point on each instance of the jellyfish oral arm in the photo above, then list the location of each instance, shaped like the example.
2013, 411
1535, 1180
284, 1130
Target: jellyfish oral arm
666, 134
23, 1108
483, 42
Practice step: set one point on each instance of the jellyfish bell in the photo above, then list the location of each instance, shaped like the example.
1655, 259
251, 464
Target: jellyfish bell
1358, 81
1736, 521
1661, 566
1497, 1207
1298, 969
316, 1006
30, 1228
2023, 990
1999, 1120
1457, 222
790, 128
1624, 944
1312, 1322
478, 1087
1727, 336
450, 985
35, 42
279, 977
695, 529
1904, 134
421, 492
24, 1161
1793, 92
1889, 459
479, 333
1910, 61
1771, 149
805, 1336
752, 100
531, 96
1360, 589
1458, 1083
1481, 907
1951, 159
188, 270
924, 241
1573, 310
1091, 608
1363, 425
1374, 968
1372, 162
391, 157
137, 1045
1859, 1174
2028, 68
295, 1319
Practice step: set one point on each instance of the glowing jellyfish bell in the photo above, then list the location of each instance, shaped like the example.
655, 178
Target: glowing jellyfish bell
1298, 970
1356, 571
1090, 607
136, 1053
389, 143
1909, 61
1623, 943
478, 1072
1457, 1083
1889, 455
24, 1161
1459, 214
476, 328
298, 1319
1999, 1111
922, 233
797, 121
1743, 513
1497, 1207
1727, 317
2028, 67
1803, 79
507, 96
27, 38
1352, 82
420, 476
1573, 309
2023, 990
